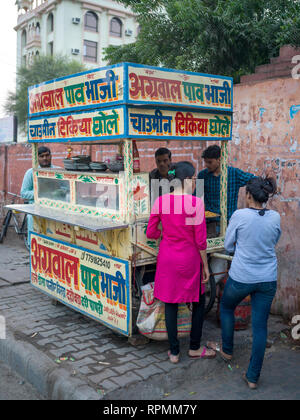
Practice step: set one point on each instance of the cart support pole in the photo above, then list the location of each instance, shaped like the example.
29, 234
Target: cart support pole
35, 160
223, 187
35, 165
128, 168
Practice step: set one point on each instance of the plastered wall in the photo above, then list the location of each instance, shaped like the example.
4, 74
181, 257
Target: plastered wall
267, 139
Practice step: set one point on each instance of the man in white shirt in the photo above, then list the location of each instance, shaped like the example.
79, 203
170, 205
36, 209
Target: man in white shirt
27, 191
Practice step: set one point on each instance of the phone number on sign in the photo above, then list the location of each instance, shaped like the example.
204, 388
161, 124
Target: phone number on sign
102, 262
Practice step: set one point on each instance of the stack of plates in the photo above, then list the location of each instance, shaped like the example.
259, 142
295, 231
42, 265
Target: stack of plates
81, 159
77, 163
70, 165
83, 167
98, 166
116, 166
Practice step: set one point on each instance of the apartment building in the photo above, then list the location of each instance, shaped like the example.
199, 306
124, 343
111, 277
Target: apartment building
76, 28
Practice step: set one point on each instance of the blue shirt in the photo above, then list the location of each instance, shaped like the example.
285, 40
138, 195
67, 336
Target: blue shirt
27, 191
252, 238
236, 179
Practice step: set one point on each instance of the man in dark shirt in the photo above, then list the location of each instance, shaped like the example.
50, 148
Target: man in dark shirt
212, 176
163, 160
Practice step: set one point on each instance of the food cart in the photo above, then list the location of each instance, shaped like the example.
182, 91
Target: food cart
90, 225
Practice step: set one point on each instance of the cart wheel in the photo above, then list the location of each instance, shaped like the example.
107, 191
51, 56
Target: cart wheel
25, 234
5, 225
210, 292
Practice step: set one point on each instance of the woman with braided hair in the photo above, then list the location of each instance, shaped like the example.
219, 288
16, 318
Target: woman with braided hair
252, 235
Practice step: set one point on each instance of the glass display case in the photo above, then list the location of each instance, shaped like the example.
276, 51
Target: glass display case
97, 195
54, 189
100, 195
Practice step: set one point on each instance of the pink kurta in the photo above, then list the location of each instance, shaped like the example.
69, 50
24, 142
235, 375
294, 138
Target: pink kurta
179, 264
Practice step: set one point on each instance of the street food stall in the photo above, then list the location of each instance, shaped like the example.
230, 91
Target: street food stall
89, 220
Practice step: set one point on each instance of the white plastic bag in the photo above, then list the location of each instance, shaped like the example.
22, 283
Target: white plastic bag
151, 317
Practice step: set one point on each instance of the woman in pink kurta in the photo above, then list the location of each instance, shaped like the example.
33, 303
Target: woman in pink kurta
180, 267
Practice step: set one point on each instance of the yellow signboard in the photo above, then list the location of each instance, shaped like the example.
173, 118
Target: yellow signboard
92, 283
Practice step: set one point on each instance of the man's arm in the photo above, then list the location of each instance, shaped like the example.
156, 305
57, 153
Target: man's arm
243, 177
27, 191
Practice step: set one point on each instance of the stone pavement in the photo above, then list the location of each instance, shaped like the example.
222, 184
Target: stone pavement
65, 355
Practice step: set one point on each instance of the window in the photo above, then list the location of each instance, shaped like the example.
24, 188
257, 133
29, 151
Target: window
50, 23
116, 27
91, 22
90, 51
50, 48
23, 39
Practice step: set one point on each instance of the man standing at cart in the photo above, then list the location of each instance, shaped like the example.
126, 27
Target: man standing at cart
163, 160
212, 179
27, 191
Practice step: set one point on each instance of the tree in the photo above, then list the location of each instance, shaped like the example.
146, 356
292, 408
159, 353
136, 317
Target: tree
227, 37
42, 69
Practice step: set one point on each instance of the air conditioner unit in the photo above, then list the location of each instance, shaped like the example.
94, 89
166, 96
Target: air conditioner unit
76, 20
75, 51
128, 32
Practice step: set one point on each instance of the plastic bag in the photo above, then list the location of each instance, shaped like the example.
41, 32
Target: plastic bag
151, 317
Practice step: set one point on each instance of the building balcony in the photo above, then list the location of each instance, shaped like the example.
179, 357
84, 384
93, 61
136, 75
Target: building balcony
33, 41
36, 9
24, 4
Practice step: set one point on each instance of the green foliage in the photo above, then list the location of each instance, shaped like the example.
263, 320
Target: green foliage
43, 68
228, 37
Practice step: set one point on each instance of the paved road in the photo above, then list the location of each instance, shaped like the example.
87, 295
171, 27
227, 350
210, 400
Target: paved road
13, 387
280, 380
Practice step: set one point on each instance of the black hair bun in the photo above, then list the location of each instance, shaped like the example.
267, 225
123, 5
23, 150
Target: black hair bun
261, 188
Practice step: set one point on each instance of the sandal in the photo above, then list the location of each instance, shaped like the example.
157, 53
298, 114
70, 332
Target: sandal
173, 358
204, 355
216, 347
251, 385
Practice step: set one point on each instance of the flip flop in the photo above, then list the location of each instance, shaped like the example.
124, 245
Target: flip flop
251, 385
203, 355
173, 358
216, 347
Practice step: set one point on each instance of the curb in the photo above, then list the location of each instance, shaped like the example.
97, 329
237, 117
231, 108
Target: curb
52, 382
55, 382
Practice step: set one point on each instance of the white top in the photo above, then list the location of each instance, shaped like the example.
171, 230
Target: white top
253, 238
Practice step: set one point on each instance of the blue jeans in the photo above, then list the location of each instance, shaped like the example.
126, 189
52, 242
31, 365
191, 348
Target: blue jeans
262, 295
